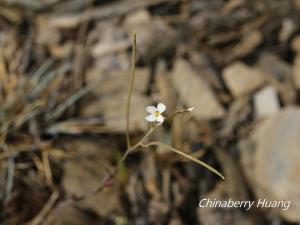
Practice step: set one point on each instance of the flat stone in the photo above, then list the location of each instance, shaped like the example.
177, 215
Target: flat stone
84, 172
271, 161
117, 80
113, 108
195, 92
266, 102
242, 79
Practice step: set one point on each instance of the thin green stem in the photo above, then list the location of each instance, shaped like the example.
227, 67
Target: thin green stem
131, 81
186, 156
129, 150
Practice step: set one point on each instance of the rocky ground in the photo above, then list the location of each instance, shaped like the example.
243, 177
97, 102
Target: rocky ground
64, 74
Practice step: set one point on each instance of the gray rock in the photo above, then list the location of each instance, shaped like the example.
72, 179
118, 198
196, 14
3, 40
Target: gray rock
242, 79
266, 102
271, 161
195, 92
280, 74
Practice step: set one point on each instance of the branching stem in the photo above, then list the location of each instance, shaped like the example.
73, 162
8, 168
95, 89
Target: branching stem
184, 155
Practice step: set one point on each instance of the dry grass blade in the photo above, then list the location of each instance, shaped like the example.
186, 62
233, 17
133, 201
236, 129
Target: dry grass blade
41, 71
70, 101
15, 150
40, 82
78, 126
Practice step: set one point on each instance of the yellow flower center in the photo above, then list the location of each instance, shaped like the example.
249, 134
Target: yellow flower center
156, 113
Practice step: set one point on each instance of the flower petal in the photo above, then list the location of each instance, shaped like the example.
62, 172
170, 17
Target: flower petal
161, 107
160, 119
151, 109
151, 118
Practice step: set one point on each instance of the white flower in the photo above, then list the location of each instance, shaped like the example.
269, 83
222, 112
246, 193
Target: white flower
155, 113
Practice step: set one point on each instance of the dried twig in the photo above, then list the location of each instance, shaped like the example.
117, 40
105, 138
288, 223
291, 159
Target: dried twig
45, 210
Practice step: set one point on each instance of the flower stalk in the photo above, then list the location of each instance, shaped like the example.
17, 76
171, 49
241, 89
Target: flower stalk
130, 88
155, 118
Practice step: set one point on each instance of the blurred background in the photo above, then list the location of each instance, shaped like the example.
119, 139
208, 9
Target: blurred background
64, 73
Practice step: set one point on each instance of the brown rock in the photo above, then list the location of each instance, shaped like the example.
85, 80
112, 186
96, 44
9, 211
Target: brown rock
297, 4
296, 71
110, 45
195, 92
155, 38
271, 161
118, 80
109, 39
247, 44
113, 108
242, 79
137, 18
46, 34
70, 215
287, 29
84, 172
64, 21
